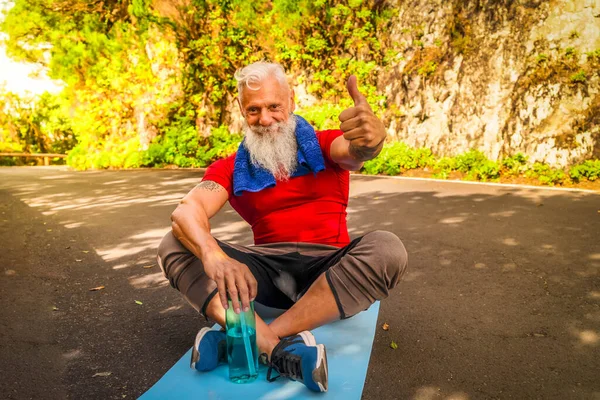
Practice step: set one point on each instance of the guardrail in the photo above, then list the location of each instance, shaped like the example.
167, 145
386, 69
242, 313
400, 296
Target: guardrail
45, 156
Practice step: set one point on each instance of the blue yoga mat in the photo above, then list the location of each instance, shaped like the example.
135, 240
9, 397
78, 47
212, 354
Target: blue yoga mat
348, 345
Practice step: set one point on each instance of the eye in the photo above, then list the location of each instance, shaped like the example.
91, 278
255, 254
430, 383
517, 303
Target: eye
274, 107
252, 110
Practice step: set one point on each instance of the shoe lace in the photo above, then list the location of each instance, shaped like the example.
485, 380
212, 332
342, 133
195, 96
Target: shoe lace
285, 363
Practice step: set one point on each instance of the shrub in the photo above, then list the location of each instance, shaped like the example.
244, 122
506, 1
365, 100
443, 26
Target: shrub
398, 157
323, 116
514, 165
589, 170
443, 167
546, 174
182, 146
467, 161
486, 170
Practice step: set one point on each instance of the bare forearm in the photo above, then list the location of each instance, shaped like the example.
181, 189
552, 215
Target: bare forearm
192, 228
365, 153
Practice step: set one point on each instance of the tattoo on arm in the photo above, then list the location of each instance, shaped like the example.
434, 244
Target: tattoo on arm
210, 186
365, 154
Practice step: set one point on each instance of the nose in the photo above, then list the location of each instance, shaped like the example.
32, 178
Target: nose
265, 117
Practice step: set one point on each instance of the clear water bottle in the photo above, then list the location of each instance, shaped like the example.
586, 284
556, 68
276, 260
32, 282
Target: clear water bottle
242, 352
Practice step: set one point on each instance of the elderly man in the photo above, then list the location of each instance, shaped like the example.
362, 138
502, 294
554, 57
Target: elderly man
291, 185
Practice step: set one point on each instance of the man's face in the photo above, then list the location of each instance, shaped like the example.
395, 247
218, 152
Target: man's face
270, 104
270, 132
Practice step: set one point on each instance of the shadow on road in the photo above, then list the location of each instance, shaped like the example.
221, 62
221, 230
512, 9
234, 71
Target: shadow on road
501, 299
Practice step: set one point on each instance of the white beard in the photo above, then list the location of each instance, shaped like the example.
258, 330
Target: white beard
273, 147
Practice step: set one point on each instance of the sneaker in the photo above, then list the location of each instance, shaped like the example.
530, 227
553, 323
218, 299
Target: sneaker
210, 349
299, 358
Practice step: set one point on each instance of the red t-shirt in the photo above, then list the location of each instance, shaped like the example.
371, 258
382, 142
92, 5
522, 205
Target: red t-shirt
309, 208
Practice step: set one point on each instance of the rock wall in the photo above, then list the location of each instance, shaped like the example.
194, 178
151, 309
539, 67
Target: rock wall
498, 75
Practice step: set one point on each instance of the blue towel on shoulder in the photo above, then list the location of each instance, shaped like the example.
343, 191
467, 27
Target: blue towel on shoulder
253, 178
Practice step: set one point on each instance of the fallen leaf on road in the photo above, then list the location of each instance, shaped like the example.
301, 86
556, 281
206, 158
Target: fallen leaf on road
138, 302
78, 260
54, 308
48, 230
393, 345
68, 247
85, 251
102, 374
96, 288
147, 266
385, 326
10, 272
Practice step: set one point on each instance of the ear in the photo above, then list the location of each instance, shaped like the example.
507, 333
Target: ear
292, 102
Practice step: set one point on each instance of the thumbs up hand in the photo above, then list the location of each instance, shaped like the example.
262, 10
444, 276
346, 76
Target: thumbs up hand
361, 127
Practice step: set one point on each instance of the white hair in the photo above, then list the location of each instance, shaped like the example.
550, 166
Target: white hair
252, 75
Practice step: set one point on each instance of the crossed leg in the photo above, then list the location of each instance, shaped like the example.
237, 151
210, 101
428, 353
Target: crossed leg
359, 275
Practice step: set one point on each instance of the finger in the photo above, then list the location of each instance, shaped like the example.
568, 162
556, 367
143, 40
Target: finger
351, 123
222, 292
354, 134
253, 286
349, 113
356, 95
233, 292
244, 291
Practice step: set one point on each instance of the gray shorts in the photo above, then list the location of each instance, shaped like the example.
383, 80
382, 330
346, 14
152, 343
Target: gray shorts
358, 274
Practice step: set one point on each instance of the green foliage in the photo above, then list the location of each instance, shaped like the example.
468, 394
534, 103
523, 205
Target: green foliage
593, 55
130, 67
322, 116
541, 58
144, 81
106, 154
546, 174
330, 40
183, 147
477, 166
34, 124
419, 44
514, 165
469, 160
443, 167
428, 69
589, 170
578, 77
397, 157
570, 52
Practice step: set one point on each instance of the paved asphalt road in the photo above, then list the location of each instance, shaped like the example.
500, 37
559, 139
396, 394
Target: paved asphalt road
502, 298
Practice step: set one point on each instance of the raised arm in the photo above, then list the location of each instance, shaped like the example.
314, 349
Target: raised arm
364, 133
191, 226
